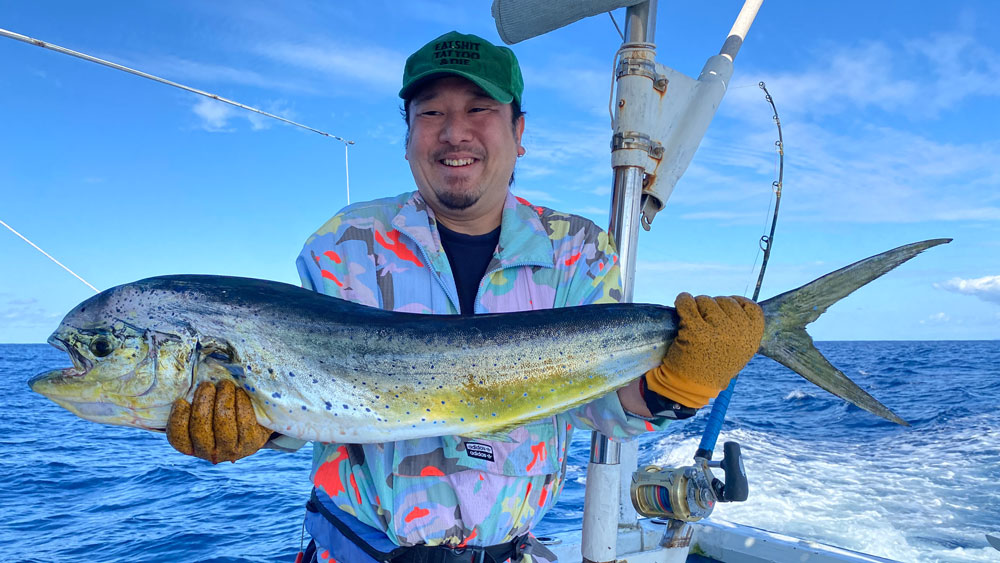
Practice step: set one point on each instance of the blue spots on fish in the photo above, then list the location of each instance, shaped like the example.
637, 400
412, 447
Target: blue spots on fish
290, 374
328, 405
304, 408
276, 395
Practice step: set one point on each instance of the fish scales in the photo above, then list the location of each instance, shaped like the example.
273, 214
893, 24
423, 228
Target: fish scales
320, 368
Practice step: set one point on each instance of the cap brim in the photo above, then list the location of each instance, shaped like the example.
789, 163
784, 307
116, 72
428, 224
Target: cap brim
494, 91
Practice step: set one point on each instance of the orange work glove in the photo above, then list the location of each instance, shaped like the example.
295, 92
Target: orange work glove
717, 336
219, 426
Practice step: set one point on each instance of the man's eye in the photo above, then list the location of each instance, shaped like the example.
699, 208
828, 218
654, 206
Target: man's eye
101, 346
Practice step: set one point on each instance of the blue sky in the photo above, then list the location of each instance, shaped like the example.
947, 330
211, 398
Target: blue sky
889, 115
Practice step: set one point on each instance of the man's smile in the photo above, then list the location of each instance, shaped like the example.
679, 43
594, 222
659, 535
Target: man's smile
457, 161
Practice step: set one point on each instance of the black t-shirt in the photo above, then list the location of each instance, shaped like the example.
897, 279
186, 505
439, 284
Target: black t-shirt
469, 256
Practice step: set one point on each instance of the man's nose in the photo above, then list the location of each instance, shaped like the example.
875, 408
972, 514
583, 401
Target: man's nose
456, 129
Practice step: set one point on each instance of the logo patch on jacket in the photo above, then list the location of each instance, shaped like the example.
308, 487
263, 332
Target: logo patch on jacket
479, 451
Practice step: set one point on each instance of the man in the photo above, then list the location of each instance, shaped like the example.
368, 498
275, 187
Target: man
463, 244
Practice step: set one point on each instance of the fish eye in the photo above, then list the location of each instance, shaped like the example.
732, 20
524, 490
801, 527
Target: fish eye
101, 346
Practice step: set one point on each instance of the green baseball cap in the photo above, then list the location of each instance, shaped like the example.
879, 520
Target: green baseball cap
492, 68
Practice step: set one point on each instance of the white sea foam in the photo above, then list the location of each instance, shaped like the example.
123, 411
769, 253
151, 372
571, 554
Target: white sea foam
798, 394
905, 500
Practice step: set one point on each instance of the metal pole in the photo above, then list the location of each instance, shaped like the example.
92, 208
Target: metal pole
116, 66
740, 28
347, 175
601, 509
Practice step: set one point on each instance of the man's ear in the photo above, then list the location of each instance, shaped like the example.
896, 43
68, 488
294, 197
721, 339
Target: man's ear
518, 133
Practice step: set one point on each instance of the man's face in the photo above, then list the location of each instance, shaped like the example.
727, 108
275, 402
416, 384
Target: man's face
461, 149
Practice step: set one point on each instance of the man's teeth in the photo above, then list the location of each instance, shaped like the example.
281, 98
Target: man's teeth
457, 161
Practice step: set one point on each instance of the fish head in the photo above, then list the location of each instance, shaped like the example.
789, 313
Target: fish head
122, 373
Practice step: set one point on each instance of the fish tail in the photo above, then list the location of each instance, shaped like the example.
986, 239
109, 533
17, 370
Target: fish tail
786, 316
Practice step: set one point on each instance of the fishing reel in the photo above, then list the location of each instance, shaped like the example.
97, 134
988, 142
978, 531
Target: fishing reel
689, 493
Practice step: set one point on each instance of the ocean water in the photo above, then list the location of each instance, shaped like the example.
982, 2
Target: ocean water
819, 469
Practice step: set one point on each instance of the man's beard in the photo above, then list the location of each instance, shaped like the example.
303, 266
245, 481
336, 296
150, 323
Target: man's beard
459, 196
458, 201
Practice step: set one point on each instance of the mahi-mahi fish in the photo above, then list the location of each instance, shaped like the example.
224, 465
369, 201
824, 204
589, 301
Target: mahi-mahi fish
321, 368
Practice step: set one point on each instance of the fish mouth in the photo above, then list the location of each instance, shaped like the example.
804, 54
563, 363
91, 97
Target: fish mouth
81, 364
57, 386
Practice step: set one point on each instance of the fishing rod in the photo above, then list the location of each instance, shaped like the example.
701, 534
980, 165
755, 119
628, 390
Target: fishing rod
53, 47
116, 66
689, 494
721, 404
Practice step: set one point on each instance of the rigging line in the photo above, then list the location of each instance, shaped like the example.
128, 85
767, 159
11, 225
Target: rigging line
65, 51
767, 213
47, 255
620, 34
763, 226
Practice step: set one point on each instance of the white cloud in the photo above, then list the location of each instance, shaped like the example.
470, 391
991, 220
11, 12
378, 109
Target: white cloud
214, 115
861, 137
202, 75
355, 64
856, 173
960, 66
25, 312
920, 77
590, 81
277, 107
578, 151
938, 319
986, 288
